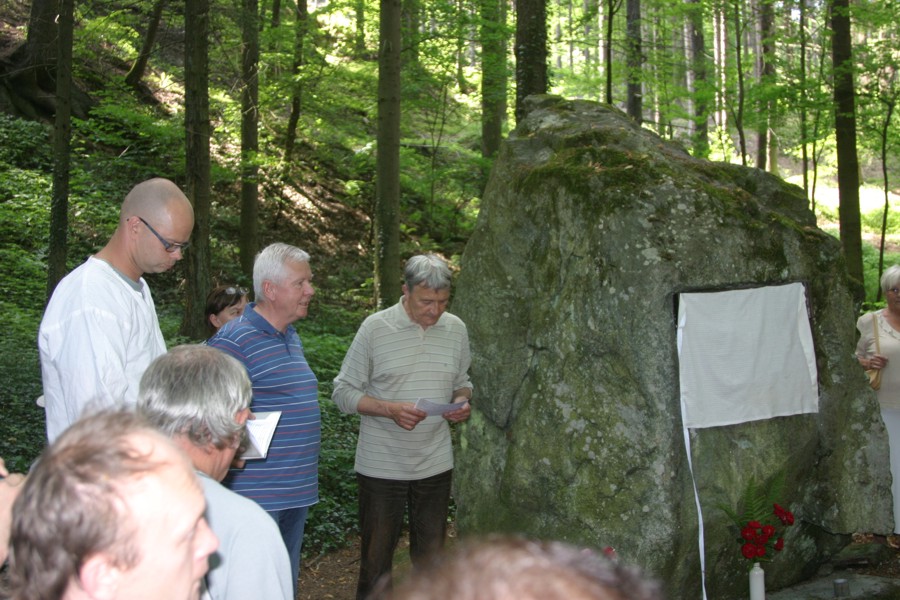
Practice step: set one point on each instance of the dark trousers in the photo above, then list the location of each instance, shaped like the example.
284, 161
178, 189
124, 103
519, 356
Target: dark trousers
382, 503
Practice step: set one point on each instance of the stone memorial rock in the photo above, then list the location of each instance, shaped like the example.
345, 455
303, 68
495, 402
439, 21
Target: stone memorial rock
590, 228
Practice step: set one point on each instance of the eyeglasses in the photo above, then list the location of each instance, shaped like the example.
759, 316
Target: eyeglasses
894, 290
235, 291
169, 246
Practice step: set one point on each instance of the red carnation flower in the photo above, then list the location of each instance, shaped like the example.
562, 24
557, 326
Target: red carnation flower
779, 545
760, 550
749, 551
748, 533
768, 531
754, 524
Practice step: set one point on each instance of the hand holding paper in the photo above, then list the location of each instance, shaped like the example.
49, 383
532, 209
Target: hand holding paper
434, 408
260, 431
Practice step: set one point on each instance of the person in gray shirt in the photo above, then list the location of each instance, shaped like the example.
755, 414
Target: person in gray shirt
200, 398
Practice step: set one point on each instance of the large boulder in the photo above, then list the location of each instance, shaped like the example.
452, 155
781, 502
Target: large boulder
589, 229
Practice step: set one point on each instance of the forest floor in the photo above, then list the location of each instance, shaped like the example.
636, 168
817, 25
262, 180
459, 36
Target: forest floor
332, 576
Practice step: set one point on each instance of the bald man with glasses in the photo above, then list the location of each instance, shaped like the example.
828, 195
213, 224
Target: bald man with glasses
100, 330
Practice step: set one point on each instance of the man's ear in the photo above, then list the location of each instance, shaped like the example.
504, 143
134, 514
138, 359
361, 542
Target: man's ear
99, 577
241, 416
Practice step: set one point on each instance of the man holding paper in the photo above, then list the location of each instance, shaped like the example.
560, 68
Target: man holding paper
411, 353
263, 339
199, 397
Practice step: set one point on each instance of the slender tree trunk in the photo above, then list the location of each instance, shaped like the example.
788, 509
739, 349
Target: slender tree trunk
612, 7
741, 91
845, 136
197, 182
493, 77
765, 73
136, 73
531, 51
409, 31
249, 237
387, 162
41, 43
700, 87
890, 105
461, 37
276, 13
301, 26
359, 33
804, 99
590, 7
634, 60
62, 134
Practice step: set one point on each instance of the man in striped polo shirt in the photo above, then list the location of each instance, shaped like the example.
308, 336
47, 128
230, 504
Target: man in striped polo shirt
286, 482
409, 352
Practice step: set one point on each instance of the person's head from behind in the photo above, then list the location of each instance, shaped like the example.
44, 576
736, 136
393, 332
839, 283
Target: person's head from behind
282, 283
426, 288
111, 510
512, 568
224, 303
202, 396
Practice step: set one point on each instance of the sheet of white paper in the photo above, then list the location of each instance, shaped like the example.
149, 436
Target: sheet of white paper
260, 431
433, 408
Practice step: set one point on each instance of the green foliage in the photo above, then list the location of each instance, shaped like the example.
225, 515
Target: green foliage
25, 144
333, 521
757, 500
22, 426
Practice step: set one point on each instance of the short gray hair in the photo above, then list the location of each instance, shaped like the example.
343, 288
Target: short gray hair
890, 278
269, 265
196, 391
427, 270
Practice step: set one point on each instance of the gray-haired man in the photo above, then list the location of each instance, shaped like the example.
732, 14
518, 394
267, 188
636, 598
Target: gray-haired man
411, 351
200, 398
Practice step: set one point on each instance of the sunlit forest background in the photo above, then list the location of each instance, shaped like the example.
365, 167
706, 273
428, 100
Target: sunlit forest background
275, 116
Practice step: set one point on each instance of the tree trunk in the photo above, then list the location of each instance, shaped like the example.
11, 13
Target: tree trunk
276, 13
197, 134
765, 74
359, 34
634, 59
804, 99
530, 51
41, 43
845, 137
494, 77
890, 105
699, 91
607, 49
249, 237
741, 88
136, 73
409, 31
387, 161
297, 94
62, 134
